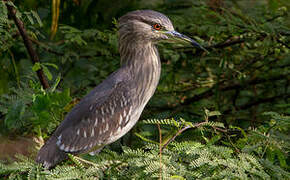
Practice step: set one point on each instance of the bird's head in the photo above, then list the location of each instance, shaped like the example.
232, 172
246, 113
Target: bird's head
143, 26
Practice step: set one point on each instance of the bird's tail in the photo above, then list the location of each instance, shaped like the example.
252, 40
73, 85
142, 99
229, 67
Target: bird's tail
49, 154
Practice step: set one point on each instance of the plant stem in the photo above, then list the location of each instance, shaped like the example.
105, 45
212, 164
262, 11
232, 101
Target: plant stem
33, 55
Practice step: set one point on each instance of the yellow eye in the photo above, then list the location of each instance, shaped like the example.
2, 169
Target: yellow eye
157, 26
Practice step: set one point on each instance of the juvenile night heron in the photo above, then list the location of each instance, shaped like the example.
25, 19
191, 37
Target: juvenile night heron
111, 109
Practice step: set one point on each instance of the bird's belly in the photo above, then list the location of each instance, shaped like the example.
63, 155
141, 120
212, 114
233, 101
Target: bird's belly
133, 118
144, 96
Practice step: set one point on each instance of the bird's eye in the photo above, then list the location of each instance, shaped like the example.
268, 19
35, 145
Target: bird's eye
157, 26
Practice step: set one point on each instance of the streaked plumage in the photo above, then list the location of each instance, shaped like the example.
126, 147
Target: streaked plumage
112, 108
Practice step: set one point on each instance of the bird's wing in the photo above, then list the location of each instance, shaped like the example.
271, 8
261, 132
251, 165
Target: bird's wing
100, 115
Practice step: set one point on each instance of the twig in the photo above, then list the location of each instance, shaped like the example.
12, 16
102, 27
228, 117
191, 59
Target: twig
180, 131
172, 139
227, 43
219, 129
160, 152
224, 87
264, 100
234, 146
33, 55
50, 50
189, 127
45, 47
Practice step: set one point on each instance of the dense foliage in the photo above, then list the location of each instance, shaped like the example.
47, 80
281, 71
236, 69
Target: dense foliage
223, 114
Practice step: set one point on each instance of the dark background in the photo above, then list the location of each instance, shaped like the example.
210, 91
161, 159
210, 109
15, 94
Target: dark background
245, 74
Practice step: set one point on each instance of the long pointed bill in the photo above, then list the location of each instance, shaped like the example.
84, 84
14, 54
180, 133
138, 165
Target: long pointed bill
177, 36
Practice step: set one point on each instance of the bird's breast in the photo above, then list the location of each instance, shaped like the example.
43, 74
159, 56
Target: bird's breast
145, 78
147, 75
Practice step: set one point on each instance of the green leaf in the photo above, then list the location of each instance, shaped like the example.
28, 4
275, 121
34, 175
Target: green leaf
37, 18
145, 139
214, 113
281, 158
47, 72
36, 67
55, 84
29, 18
214, 139
50, 64
177, 177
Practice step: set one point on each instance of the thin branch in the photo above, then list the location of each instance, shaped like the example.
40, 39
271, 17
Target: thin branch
233, 144
40, 44
160, 152
33, 55
225, 87
180, 131
264, 100
220, 129
189, 127
227, 43
50, 50
172, 139
235, 40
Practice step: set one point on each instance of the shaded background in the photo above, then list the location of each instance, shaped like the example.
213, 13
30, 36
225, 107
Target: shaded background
245, 74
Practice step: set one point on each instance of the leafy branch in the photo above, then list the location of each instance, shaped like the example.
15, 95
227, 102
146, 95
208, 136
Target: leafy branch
33, 55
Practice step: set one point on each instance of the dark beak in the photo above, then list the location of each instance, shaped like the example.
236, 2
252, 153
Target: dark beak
177, 36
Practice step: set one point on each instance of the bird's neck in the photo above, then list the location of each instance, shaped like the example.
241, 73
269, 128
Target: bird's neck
136, 54
144, 65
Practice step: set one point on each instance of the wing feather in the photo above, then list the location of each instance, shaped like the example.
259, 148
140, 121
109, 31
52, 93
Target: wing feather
96, 117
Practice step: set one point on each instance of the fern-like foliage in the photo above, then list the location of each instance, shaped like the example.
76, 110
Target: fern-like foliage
189, 160
270, 141
179, 160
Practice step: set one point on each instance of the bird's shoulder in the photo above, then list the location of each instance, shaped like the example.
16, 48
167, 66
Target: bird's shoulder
117, 82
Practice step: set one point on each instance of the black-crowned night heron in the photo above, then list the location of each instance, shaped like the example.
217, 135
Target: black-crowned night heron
111, 109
